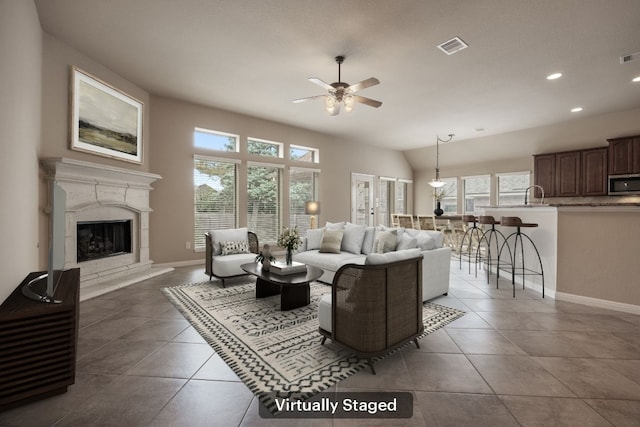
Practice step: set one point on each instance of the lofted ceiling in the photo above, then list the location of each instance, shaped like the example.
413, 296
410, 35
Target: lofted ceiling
254, 57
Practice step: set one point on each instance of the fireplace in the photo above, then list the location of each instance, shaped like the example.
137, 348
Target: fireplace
102, 239
106, 223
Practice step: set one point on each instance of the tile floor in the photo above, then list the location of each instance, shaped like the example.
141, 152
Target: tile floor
507, 362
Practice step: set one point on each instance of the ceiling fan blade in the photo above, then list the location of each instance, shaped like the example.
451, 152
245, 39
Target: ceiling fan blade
321, 83
308, 98
372, 81
368, 101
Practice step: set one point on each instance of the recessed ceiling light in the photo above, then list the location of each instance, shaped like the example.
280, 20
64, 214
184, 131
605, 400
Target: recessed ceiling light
554, 76
576, 110
479, 129
636, 79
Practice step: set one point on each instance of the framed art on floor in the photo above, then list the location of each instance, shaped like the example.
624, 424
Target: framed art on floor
104, 120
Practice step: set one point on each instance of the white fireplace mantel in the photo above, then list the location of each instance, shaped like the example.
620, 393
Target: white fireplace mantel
100, 192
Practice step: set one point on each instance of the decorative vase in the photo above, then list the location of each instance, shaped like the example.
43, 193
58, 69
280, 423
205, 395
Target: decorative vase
438, 210
289, 258
266, 258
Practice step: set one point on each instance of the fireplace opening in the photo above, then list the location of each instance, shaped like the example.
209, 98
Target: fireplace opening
101, 239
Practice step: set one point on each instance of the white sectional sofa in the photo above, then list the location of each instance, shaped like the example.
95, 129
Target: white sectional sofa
358, 241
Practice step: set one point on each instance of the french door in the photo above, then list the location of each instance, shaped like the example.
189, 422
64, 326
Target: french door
362, 199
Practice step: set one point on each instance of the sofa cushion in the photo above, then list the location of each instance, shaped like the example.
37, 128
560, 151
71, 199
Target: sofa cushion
406, 242
369, 239
227, 235
328, 261
353, 237
334, 225
225, 266
314, 238
234, 247
331, 241
386, 241
376, 259
438, 238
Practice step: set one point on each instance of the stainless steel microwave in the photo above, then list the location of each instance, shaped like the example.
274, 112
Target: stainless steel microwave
624, 184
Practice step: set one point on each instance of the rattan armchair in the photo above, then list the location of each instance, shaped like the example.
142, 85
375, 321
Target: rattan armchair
226, 267
374, 309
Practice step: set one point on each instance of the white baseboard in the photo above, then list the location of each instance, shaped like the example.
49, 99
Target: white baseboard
601, 303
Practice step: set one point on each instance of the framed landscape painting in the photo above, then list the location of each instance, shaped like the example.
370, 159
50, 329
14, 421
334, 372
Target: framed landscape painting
104, 120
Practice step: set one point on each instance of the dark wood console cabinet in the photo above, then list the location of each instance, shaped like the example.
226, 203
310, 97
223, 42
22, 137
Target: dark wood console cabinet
572, 173
38, 342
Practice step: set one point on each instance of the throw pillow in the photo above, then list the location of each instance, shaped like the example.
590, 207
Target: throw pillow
425, 241
369, 239
353, 237
331, 240
314, 238
334, 225
234, 247
407, 242
386, 241
227, 235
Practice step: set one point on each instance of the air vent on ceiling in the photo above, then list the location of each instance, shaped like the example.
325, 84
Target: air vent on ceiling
452, 46
630, 58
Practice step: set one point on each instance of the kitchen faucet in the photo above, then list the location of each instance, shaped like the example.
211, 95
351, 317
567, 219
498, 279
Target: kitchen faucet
526, 193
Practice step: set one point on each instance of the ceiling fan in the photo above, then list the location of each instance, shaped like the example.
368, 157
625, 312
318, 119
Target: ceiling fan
342, 93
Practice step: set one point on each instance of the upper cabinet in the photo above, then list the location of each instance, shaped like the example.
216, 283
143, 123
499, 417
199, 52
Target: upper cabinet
544, 174
624, 155
572, 173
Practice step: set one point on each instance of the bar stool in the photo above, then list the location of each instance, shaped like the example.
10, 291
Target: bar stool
472, 237
492, 238
518, 242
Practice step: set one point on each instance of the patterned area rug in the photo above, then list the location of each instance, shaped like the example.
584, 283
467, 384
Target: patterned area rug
275, 353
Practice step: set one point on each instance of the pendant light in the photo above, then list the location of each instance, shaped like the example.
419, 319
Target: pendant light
436, 182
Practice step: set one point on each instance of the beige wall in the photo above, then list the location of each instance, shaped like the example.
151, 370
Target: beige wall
513, 151
20, 99
173, 122
598, 254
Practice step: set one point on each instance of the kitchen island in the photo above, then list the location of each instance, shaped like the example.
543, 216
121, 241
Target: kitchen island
590, 253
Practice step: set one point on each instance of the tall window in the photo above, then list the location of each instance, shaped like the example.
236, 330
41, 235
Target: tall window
403, 190
211, 140
476, 193
449, 203
385, 200
215, 196
303, 187
511, 188
264, 184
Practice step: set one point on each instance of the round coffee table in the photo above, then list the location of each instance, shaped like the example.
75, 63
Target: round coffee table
293, 288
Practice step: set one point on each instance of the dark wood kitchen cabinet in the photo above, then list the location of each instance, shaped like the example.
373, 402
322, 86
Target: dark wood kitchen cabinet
572, 173
594, 172
544, 174
624, 155
568, 174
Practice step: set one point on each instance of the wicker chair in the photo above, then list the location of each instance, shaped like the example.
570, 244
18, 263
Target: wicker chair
375, 309
228, 266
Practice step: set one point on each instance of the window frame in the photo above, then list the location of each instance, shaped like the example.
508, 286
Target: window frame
279, 145
197, 129
315, 153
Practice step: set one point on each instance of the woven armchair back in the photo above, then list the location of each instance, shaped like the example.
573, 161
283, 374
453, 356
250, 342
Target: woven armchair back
376, 308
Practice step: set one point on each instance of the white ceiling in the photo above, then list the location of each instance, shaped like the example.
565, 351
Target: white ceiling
254, 57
